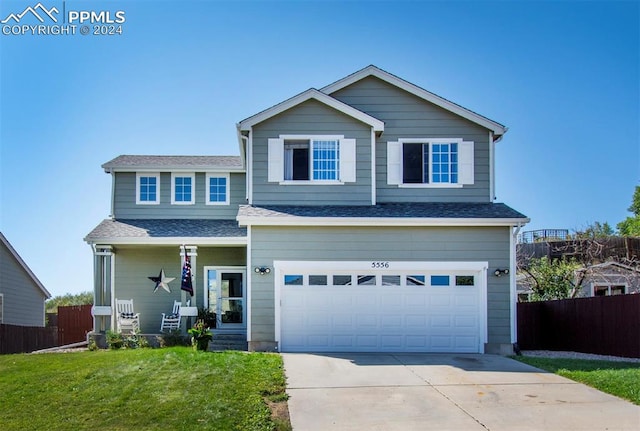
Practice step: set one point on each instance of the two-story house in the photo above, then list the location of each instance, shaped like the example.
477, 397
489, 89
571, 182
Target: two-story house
358, 217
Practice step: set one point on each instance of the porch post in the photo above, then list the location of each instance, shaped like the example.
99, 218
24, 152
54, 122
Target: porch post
103, 287
191, 252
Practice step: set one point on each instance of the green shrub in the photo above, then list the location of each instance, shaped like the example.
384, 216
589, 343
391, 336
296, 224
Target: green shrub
173, 338
114, 340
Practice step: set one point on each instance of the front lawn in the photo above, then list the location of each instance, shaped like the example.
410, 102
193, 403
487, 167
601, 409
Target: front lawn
621, 379
144, 389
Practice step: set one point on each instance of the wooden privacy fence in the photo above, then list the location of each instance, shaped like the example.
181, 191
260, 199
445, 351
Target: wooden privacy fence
24, 339
605, 325
74, 322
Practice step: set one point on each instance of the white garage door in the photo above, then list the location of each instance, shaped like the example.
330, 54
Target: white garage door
381, 306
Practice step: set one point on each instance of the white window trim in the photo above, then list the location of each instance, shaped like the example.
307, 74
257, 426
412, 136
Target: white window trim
147, 174
432, 185
347, 161
208, 188
175, 175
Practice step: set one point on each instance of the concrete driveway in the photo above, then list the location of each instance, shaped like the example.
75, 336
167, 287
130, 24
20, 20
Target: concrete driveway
442, 392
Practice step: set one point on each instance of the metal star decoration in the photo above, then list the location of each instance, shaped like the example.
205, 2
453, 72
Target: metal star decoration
162, 281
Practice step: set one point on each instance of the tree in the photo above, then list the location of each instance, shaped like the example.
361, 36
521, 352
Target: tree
68, 299
595, 230
552, 279
631, 225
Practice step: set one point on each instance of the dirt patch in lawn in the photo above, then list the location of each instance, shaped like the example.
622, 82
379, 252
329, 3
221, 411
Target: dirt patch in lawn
280, 414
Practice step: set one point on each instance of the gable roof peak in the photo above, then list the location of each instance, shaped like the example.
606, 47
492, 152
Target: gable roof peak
306, 95
372, 70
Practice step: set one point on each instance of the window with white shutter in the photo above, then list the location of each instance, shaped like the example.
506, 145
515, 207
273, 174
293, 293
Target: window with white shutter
304, 159
430, 162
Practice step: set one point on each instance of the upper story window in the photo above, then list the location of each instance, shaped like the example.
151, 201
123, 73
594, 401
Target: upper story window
182, 188
430, 162
217, 189
300, 159
147, 188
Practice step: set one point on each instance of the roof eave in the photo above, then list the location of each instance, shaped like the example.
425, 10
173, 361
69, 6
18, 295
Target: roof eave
218, 241
174, 168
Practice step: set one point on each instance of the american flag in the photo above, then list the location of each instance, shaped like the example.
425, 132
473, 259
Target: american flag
186, 276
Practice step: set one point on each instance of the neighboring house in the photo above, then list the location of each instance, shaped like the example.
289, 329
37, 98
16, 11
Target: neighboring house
603, 279
22, 295
609, 278
358, 217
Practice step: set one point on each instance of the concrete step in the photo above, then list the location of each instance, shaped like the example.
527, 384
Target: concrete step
224, 341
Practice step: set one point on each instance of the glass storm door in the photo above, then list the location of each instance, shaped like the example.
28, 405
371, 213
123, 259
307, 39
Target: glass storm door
225, 290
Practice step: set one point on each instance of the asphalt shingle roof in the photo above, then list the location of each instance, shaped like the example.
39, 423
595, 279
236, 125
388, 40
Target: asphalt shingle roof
175, 162
166, 228
388, 210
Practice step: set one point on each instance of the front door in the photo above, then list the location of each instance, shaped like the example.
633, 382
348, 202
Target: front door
225, 295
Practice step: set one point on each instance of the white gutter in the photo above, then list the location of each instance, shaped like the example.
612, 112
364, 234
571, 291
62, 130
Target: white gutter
375, 221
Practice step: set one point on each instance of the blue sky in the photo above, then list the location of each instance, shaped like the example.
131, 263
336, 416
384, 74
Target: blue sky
563, 76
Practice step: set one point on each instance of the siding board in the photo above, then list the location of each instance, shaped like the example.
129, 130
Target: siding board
126, 208
381, 243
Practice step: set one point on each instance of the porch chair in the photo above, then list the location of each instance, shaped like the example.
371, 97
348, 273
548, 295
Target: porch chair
128, 320
171, 321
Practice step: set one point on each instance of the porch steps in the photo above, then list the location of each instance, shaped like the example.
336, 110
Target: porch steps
222, 342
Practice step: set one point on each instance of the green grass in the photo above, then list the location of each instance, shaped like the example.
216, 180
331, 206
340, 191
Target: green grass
621, 379
145, 389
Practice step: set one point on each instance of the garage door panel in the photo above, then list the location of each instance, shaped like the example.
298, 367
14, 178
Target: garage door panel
391, 342
381, 317
366, 321
441, 343
318, 320
469, 322
440, 322
367, 341
393, 321
342, 341
416, 342
342, 321
416, 321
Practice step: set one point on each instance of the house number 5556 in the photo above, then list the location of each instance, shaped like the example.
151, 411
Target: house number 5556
379, 265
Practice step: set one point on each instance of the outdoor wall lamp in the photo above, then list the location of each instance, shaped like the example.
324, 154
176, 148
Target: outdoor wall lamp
499, 272
262, 270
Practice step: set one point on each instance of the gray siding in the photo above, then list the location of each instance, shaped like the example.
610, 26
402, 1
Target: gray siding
380, 243
407, 116
312, 118
134, 264
126, 208
23, 301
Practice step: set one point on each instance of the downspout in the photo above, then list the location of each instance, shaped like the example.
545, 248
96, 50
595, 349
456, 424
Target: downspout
512, 283
373, 167
113, 196
248, 167
492, 174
